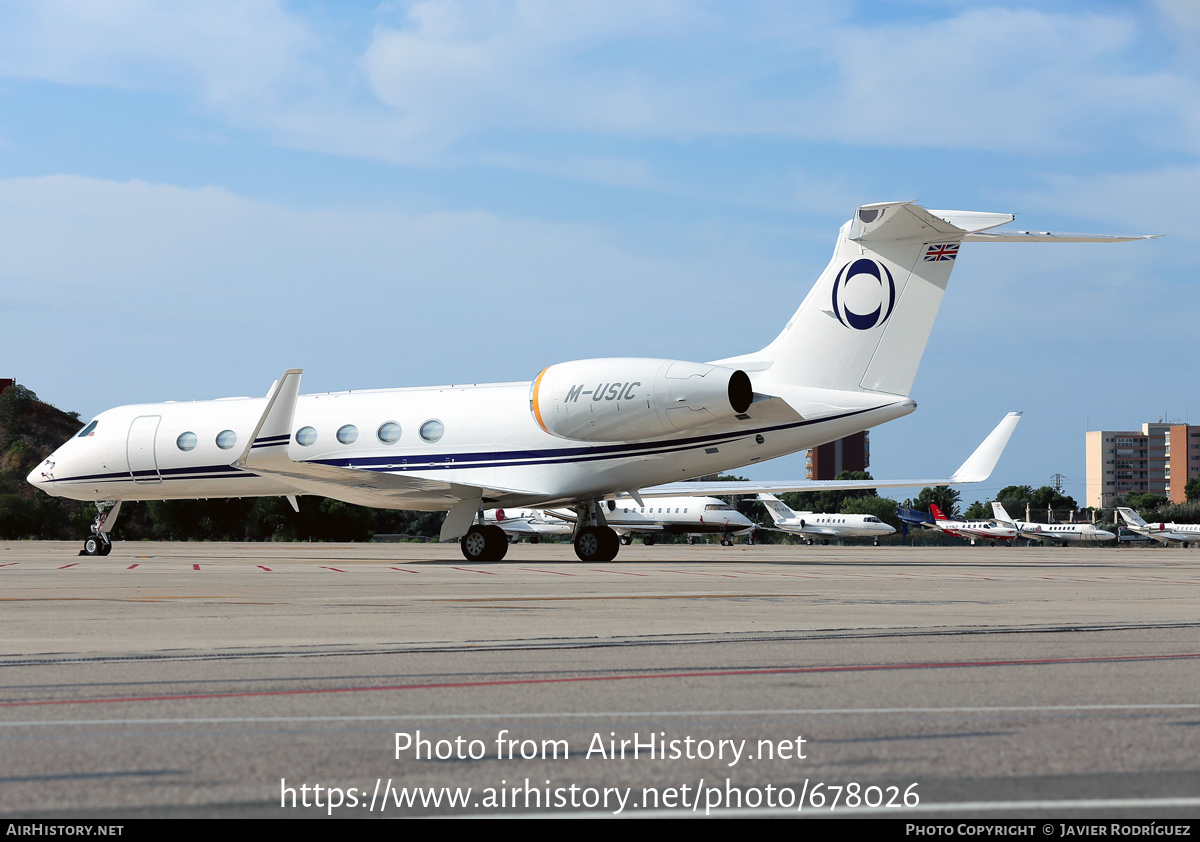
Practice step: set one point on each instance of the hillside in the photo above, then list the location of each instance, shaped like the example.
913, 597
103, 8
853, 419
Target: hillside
30, 430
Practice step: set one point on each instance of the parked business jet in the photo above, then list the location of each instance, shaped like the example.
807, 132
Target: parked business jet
689, 516
580, 433
975, 530
1184, 533
823, 526
1063, 533
525, 523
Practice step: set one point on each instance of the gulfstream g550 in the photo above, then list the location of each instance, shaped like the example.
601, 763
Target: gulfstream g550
580, 433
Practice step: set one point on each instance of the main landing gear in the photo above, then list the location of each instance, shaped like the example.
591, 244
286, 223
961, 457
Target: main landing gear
484, 543
594, 539
99, 542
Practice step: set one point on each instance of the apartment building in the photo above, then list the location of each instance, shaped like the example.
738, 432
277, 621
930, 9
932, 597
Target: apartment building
1158, 459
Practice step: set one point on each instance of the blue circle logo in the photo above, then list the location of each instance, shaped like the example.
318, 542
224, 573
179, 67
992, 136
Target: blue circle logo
871, 284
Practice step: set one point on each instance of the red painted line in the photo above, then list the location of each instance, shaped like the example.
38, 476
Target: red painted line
535, 570
130, 567
714, 575
589, 678
469, 570
260, 567
403, 570
334, 569
622, 572
195, 566
10, 564
65, 566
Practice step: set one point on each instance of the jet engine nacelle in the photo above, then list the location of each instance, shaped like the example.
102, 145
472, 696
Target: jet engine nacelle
625, 399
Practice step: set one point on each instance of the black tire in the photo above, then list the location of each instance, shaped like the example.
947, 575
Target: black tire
105, 544
725, 542
691, 540
648, 540
626, 540
533, 539
92, 545
484, 543
596, 543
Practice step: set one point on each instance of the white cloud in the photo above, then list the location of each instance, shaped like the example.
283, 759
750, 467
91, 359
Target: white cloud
217, 291
459, 80
225, 53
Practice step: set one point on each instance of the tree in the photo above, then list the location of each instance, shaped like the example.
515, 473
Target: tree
1192, 489
945, 497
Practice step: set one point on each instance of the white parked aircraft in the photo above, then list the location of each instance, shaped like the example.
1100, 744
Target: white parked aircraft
976, 530
823, 526
525, 523
580, 433
1184, 533
1063, 533
669, 516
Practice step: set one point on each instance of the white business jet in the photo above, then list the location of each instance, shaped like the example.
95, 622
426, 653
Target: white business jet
580, 433
1062, 533
816, 525
689, 516
525, 523
1184, 533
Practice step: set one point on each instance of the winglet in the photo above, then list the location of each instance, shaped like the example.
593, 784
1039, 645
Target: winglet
982, 462
274, 430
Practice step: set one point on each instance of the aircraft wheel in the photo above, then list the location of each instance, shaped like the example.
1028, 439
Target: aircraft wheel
626, 540
533, 539
691, 540
92, 545
648, 541
105, 544
725, 542
876, 542
512, 539
595, 543
484, 543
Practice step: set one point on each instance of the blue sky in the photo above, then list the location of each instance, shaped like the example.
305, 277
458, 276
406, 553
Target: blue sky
195, 196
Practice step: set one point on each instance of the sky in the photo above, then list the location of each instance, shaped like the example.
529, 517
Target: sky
196, 196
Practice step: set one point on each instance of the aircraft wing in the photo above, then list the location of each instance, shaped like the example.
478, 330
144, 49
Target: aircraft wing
266, 454
977, 468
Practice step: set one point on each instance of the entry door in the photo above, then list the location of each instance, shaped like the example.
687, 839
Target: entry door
139, 448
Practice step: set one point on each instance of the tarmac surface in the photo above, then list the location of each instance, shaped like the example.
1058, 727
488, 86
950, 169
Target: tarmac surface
232, 680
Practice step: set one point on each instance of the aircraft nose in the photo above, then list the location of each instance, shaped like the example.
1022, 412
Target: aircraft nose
42, 476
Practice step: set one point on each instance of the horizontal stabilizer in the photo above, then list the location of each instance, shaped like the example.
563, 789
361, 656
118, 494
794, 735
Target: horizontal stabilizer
1051, 237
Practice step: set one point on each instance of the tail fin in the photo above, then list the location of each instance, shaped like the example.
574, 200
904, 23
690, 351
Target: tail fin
936, 512
1132, 517
776, 507
865, 323
1001, 514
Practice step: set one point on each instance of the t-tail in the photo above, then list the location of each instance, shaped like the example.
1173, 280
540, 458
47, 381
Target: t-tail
1132, 518
937, 513
865, 323
1002, 515
776, 507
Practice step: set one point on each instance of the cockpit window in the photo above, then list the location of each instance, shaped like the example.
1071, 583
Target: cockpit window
718, 507
88, 430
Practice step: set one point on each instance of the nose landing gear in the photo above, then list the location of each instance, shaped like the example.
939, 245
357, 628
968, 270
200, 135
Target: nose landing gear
99, 542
